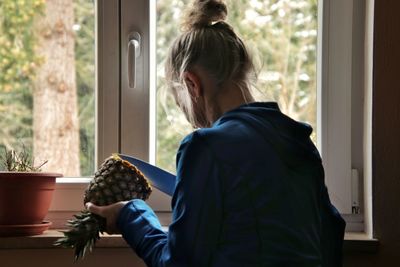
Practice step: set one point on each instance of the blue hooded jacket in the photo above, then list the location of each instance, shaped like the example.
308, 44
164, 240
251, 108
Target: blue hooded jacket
249, 191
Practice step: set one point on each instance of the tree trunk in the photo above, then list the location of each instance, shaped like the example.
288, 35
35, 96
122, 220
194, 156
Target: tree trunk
55, 107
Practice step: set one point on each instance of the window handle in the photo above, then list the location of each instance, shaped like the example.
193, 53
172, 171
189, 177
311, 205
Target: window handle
133, 55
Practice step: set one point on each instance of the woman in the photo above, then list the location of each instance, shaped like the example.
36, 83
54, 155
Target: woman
250, 184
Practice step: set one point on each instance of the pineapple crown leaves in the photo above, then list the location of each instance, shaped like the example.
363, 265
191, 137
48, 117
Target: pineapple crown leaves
22, 161
84, 231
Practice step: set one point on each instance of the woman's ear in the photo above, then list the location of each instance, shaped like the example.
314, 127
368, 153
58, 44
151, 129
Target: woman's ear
193, 84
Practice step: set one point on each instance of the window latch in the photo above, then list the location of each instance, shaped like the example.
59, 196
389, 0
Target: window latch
133, 55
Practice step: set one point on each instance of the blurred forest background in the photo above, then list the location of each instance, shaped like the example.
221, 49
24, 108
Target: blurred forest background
47, 73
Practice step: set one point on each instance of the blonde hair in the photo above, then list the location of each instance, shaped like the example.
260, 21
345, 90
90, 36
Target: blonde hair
209, 42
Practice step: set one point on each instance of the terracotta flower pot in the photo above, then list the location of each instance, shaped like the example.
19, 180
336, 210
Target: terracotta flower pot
25, 198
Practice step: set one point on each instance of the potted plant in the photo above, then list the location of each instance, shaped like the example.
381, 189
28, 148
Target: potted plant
25, 194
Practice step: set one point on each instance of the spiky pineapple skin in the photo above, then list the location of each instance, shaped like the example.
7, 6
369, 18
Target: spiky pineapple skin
116, 180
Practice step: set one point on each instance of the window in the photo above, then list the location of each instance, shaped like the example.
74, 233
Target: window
307, 63
47, 82
282, 36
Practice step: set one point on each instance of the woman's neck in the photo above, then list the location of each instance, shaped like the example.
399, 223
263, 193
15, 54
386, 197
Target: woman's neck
228, 98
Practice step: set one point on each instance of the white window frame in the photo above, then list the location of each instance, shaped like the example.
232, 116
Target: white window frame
339, 36
334, 86
119, 130
367, 144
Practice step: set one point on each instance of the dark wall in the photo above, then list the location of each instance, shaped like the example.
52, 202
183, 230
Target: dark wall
385, 138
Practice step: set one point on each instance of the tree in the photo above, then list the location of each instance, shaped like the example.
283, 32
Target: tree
18, 64
85, 79
282, 35
55, 106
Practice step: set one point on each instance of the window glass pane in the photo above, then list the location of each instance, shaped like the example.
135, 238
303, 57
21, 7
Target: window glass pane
282, 36
47, 97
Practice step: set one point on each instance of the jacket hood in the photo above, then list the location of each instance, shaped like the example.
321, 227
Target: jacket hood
290, 138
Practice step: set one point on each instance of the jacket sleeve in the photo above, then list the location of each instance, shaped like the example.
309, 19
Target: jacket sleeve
333, 229
196, 219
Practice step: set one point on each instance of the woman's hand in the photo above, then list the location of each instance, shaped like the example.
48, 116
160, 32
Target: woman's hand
110, 213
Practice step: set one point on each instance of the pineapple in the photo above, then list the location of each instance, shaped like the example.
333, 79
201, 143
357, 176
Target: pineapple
116, 180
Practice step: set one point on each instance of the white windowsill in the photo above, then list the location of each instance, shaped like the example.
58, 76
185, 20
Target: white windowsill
73, 180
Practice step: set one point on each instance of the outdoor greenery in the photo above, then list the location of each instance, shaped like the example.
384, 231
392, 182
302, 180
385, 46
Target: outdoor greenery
85, 78
17, 70
18, 64
281, 34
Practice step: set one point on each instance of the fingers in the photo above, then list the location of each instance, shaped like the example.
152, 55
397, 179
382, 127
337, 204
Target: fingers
101, 212
94, 209
109, 212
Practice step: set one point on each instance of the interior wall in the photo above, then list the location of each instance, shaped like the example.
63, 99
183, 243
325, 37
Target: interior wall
58, 257
385, 139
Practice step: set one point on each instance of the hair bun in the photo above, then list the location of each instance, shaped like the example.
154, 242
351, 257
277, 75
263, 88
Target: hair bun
203, 13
